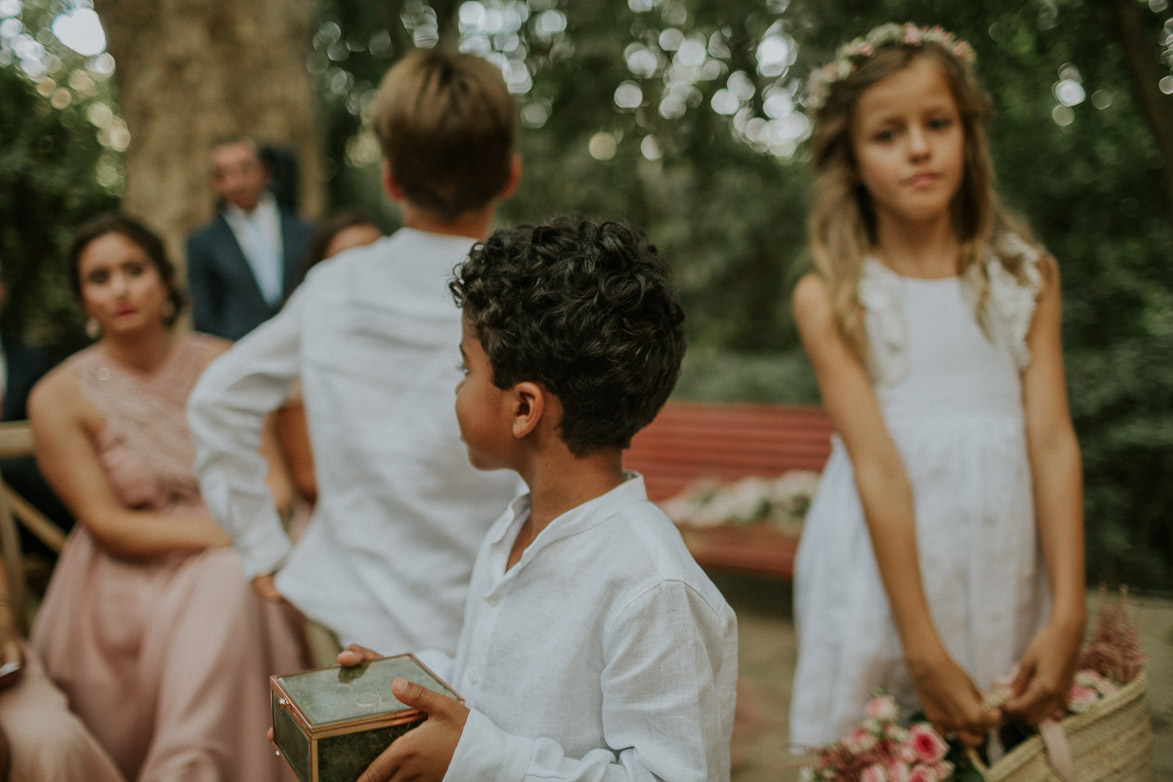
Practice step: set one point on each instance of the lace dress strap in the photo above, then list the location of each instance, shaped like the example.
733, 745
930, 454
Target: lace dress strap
1011, 298
1008, 309
883, 302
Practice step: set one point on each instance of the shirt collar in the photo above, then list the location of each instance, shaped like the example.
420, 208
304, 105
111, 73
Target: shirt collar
577, 519
266, 204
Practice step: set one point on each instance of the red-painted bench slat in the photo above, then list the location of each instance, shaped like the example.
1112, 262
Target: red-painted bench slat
727, 442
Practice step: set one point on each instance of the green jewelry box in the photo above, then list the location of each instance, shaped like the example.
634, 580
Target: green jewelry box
330, 723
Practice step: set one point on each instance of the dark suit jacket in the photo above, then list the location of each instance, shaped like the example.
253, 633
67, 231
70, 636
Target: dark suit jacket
226, 300
25, 366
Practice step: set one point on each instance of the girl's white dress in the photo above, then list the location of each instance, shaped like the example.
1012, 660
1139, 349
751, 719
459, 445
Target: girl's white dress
951, 398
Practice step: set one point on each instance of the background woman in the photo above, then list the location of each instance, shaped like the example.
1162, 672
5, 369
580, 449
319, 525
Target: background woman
148, 625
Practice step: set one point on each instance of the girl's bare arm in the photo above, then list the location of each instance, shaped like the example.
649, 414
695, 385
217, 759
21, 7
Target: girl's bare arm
62, 424
1047, 667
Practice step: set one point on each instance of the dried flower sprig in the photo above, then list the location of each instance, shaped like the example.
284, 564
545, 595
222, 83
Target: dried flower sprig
1113, 651
849, 56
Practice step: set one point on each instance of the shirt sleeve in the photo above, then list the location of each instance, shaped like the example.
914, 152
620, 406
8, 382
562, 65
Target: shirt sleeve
668, 698
226, 413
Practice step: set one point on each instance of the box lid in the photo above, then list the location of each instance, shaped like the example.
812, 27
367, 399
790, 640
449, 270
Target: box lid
349, 694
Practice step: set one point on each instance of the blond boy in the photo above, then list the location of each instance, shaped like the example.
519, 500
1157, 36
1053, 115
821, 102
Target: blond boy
388, 552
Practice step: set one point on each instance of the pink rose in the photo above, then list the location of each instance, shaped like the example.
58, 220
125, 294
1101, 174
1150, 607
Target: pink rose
898, 770
859, 741
882, 708
1081, 698
943, 770
1096, 682
873, 774
922, 774
927, 744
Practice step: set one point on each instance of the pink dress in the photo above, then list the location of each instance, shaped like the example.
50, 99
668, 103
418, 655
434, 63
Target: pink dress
166, 659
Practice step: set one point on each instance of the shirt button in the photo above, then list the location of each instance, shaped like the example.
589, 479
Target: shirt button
493, 600
472, 676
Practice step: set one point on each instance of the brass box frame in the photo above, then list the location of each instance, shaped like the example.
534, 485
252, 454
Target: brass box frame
339, 748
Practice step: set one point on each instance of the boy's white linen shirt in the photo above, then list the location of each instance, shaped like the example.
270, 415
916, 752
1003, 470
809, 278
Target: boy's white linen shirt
373, 333
605, 653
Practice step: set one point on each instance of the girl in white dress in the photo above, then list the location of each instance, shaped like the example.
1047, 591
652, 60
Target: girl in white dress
945, 546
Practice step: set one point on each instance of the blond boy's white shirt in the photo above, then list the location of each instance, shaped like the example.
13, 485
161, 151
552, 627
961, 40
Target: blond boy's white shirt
604, 653
373, 333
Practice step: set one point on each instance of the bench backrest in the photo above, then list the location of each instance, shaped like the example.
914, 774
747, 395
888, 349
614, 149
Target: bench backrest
690, 440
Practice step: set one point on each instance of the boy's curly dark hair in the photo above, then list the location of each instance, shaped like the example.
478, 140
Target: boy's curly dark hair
588, 311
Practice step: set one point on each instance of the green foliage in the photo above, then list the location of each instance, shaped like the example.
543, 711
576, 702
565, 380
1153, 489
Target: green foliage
729, 214
47, 186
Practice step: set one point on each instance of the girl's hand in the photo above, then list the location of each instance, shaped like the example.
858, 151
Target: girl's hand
1045, 673
952, 702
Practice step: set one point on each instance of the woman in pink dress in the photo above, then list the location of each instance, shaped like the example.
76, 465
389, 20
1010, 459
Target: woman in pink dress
148, 625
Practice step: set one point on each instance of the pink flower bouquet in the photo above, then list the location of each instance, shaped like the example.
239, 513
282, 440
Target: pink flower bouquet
880, 749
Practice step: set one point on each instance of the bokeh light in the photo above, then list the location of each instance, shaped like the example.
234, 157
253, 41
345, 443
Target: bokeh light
81, 31
602, 146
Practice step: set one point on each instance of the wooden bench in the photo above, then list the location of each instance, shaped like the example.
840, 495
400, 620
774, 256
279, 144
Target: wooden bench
692, 440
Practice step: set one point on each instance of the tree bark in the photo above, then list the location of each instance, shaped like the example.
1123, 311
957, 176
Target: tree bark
1142, 66
190, 72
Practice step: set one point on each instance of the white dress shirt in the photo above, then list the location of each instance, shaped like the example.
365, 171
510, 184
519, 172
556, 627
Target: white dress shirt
605, 653
374, 334
259, 235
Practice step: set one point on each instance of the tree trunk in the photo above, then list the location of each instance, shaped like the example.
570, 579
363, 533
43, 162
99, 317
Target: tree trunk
190, 72
1142, 66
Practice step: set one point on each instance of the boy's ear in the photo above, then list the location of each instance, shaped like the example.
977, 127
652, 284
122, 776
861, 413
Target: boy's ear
529, 405
390, 186
514, 178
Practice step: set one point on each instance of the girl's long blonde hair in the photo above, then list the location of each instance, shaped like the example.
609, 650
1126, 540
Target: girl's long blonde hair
842, 218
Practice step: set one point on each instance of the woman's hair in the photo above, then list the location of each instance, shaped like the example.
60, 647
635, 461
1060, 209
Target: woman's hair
325, 232
136, 232
842, 217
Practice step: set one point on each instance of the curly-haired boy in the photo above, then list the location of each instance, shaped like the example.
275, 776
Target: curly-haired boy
593, 645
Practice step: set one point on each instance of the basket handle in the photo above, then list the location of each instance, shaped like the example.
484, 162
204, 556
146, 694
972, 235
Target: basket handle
1056, 746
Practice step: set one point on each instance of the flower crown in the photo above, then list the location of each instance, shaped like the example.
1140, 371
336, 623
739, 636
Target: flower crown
850, 55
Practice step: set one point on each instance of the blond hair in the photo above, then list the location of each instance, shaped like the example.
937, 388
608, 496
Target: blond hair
447, 126
842, 218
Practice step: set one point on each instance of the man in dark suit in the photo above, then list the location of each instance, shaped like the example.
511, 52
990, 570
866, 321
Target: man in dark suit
243, 264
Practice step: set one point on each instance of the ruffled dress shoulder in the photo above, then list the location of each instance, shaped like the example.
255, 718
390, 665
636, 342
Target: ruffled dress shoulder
166, 659
949, 387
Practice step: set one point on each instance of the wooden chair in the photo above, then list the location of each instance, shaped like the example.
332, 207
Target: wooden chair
16, 441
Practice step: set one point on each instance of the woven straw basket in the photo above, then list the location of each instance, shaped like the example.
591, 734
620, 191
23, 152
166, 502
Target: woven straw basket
1113, 740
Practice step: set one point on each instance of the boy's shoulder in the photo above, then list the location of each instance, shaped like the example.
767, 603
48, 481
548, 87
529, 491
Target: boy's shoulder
643, 548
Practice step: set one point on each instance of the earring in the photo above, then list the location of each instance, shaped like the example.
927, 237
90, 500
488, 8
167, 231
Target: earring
168, 309
93, 328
